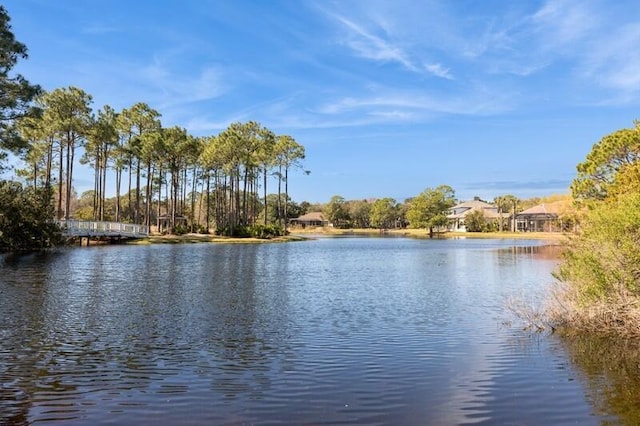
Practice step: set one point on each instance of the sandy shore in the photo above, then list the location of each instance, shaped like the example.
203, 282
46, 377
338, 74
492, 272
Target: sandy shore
203, 238
424, 233
299, 234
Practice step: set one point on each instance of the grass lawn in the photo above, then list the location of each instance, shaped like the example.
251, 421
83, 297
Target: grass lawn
424, 233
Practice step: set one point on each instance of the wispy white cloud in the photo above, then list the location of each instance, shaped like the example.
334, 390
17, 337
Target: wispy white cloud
100, 29
439, 71
379, 46
599, 44
614, 60
477, 103
176, 87
274, 111
203, 125
566, 21
394, 115
373, 47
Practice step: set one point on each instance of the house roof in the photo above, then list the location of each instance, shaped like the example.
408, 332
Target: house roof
546, 209
311, 217
488, 210
473, 204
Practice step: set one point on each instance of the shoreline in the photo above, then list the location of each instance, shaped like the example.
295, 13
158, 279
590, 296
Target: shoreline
210, 238
424, 233
309, 233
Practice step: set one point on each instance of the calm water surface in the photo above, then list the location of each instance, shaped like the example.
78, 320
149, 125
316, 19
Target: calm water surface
333, 331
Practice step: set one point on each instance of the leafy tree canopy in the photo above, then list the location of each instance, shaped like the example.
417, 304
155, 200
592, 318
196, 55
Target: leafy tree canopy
25, 215
429, 209
597, 173
16, 92
475, 221
602, 261
384, 213
360, 212
336, 212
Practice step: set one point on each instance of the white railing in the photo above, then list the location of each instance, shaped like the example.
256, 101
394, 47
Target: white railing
88, 228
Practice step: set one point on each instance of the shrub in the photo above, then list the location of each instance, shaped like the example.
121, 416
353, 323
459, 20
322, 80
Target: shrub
475, 222
201, 229
604, 257
180, 229
266, 231
255, 231
25, 218
600, 275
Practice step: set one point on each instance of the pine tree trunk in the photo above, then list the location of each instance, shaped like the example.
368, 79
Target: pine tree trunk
265, 194
279, 204
193, 196
136, 216
159, 212
67, 204
286, 197
60, 175
207, 213
118, 185
47, 182
96, 183
129, 190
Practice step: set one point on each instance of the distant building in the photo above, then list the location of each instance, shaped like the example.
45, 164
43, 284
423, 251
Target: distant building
547, 217
310, 219
458, 213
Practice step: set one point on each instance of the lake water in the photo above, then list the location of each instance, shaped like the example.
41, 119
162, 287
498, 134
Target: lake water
331, 331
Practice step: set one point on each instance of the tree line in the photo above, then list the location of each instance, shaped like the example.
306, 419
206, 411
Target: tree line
217, 181
162, 176
427, 210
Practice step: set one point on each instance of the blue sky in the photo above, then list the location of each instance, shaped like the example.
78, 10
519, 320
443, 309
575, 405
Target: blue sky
388, 97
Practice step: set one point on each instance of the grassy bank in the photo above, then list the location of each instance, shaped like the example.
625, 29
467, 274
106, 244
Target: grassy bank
303, 234
204, 238
424, 233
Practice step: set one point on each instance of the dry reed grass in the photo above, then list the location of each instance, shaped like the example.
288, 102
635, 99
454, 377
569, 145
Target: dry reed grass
565, 311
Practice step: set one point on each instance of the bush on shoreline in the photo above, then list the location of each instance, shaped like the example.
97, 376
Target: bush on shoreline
25, 219
599, 280
263, 232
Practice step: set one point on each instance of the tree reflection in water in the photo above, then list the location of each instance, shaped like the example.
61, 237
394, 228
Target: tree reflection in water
610, 369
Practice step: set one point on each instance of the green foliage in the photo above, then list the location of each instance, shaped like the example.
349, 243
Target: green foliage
293, 209
67, 115
238, 231
603, 260
360, 213
506, 204
256, 231
626, 181
384, 213
336, 212
233, 165
16, 93
476, 222
607, 157
201, 229
180, 229
26, 218
266, 232
429, 209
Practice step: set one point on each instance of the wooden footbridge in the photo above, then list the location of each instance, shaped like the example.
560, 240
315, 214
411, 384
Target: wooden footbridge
96, 230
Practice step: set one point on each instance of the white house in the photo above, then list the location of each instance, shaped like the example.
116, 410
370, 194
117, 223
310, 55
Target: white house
458, 213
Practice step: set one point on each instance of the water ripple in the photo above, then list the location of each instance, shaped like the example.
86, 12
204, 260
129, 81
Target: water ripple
334, 331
